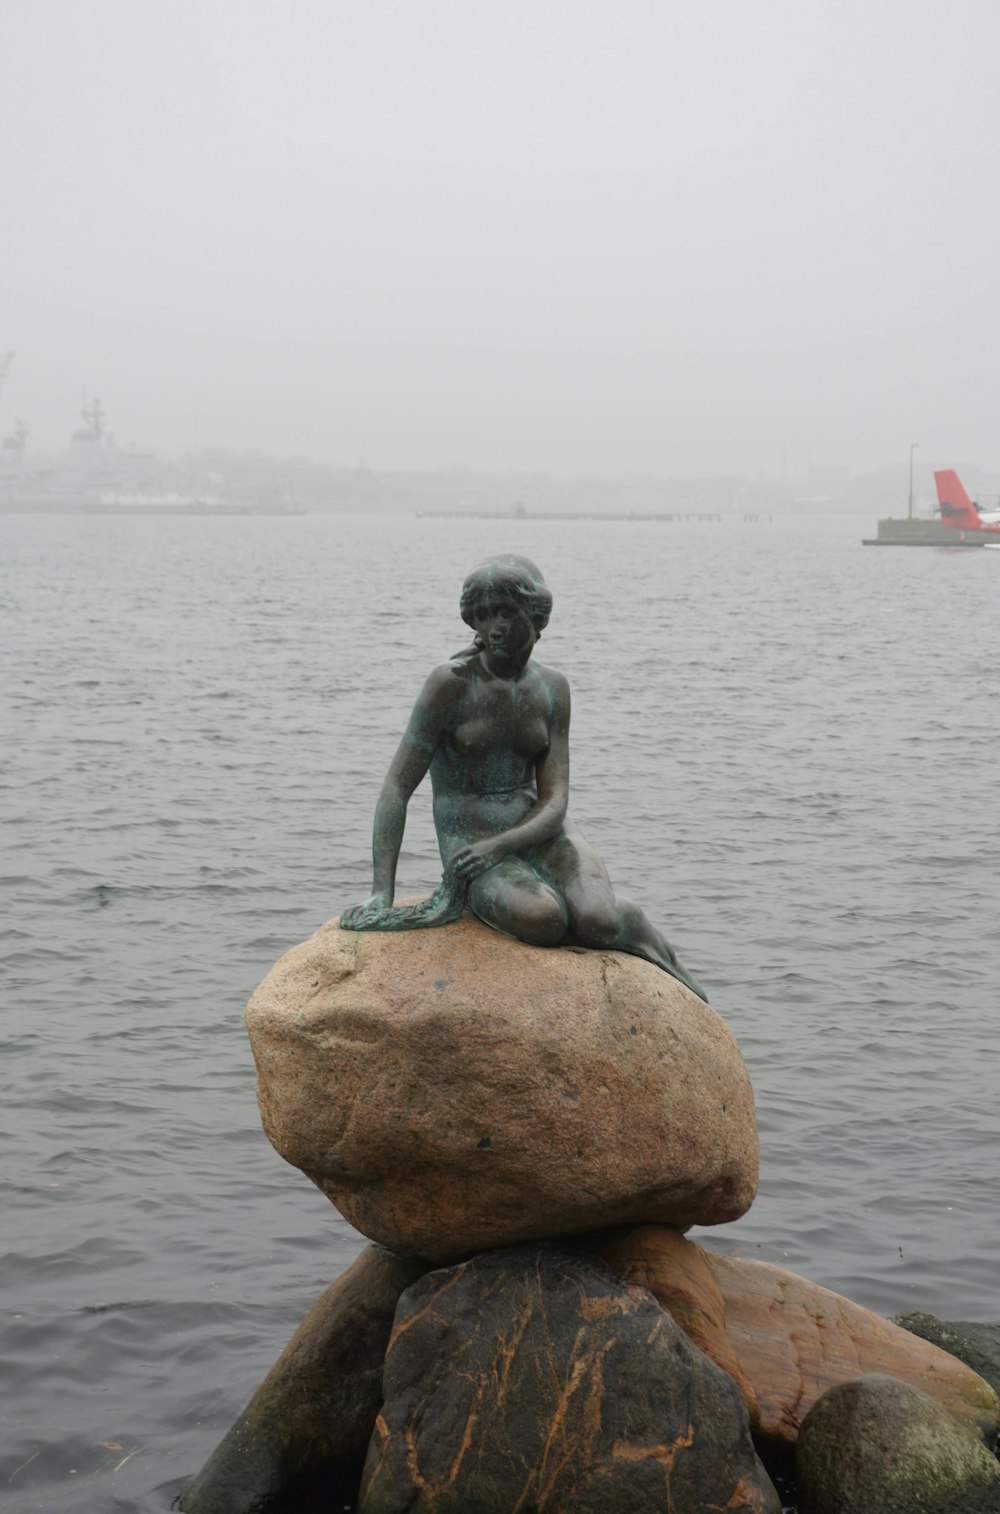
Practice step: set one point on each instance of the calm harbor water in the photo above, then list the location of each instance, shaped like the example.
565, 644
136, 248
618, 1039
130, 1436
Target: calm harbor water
786, 747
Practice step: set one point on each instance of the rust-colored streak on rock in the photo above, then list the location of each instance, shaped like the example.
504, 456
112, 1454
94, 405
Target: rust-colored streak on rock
507, 1351
470, 1426
586, 1372
663, 1457
400, 1326
741, 1493
413, 1462
663, 1454
381, 1429
604, 1308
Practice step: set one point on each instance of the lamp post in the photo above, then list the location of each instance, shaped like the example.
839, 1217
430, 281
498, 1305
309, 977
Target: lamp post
913, 448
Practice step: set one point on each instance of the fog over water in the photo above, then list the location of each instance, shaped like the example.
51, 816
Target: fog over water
573, 236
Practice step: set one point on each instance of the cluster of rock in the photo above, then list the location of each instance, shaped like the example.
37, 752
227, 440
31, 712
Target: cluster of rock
526, 1135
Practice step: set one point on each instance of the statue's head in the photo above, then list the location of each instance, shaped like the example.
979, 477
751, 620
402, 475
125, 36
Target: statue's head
514, 578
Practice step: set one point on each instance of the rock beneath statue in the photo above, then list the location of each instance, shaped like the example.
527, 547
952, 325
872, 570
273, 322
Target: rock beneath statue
454, 1089
784, 1340
534, 1378
876, 1445
305, 1432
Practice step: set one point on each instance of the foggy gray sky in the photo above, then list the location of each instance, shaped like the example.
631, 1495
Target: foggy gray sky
663, 235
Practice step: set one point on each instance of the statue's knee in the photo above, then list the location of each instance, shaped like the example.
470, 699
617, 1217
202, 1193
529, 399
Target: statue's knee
542, 921
534, 915
599, 925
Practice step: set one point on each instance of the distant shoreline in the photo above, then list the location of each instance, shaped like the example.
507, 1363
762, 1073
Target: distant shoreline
158, 510
625, 515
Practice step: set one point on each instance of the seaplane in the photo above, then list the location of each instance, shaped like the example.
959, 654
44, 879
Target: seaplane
959, 511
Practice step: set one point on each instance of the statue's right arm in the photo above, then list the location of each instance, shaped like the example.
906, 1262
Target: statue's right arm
428, 724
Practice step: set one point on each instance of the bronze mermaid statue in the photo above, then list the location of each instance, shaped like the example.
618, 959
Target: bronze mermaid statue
492, 727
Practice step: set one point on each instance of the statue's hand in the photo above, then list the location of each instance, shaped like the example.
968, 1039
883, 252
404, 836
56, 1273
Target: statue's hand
470, 862
364, 916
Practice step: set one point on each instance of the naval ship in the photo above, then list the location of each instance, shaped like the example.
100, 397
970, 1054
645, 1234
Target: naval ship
94, 477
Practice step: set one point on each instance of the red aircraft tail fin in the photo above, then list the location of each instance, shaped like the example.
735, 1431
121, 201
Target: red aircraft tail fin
955, 505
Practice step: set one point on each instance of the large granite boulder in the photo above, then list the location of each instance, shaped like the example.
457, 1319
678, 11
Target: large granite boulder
879, 1446
785, 1341
453, 1089
305, 1432
534, 1379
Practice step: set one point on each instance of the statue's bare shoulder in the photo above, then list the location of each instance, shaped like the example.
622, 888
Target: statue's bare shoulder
556, 686
440, 700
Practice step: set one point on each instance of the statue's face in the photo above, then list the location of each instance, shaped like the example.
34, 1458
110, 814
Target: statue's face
503, 627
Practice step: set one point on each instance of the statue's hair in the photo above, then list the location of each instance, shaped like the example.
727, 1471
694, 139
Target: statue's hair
517, 579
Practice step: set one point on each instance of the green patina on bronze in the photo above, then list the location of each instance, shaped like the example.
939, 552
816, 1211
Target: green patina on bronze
492, 728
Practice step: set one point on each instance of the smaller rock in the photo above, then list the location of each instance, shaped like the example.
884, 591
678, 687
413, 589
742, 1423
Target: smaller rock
879, 1446
783, 1339
977, 1345
534, 1379
307, 1427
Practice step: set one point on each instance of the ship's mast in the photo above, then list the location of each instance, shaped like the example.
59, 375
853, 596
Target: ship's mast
93, 413
5, 363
